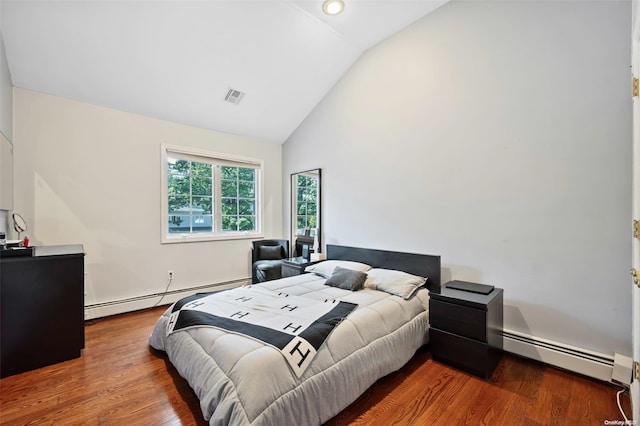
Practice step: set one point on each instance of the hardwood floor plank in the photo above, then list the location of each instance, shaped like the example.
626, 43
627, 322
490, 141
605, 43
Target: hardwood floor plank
552, 395
119, 380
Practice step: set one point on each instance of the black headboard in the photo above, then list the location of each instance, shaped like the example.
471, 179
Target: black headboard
424, 265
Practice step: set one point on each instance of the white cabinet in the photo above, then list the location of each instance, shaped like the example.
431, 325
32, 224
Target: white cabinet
6, 173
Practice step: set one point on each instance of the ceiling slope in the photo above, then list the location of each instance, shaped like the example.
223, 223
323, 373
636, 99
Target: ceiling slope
176, 60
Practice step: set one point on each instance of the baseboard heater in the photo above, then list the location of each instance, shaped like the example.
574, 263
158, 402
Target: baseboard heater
113, 307
578, 360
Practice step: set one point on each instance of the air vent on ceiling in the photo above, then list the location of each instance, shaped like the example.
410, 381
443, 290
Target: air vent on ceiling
234, 96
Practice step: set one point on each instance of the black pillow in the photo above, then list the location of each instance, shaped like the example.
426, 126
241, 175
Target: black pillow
347, 279
270, 252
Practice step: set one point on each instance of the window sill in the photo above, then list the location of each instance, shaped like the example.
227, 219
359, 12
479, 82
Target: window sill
186, 238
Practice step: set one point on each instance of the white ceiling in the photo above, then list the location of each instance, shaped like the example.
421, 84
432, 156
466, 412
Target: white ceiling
175, 60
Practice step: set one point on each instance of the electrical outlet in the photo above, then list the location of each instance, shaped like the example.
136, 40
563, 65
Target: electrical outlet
170, 274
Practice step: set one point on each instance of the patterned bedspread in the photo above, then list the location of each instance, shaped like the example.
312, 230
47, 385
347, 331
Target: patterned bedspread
240, 380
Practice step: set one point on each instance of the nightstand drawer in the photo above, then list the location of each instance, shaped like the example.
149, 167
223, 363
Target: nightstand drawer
457, 319
465, 354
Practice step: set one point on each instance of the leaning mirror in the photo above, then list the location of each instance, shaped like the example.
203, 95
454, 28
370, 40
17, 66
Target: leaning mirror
305, 210
19, 224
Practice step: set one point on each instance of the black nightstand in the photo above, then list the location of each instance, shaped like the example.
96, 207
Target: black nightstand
295, 266
466, 329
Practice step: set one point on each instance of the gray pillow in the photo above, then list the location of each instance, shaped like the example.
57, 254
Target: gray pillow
347, 279
270, 252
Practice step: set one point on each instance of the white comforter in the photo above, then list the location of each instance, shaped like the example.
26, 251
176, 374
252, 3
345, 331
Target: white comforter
241, 381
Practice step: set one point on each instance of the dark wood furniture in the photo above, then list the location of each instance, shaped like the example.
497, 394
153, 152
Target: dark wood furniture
295, 266
466, 329
41, 308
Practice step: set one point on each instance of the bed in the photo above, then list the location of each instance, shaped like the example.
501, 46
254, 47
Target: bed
241, 380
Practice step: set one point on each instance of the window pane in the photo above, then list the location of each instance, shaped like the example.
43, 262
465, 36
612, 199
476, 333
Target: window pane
245, 223
201, 223
201, 186
229, 206
312, 221
229, 188
246, 189
229, 223
178, 167
201, 169
302, 222
201, 205
178, 185
178, 224
246, 174
179, 204
246, 207
229, 172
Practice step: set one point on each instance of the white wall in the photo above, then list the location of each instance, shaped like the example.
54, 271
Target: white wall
6, 128
6, 87
498, 135
6, 95
91, 175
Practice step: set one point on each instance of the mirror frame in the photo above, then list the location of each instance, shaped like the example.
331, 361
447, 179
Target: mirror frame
294, 210
19, 224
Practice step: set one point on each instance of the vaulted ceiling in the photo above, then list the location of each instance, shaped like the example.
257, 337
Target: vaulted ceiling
177, 60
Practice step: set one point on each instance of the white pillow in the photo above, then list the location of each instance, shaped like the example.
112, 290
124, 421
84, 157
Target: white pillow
394, 282
325, 268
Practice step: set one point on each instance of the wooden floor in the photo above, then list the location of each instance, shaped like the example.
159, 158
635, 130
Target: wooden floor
120, 381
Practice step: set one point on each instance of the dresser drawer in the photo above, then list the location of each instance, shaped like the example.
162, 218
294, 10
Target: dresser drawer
458, 319
465, 354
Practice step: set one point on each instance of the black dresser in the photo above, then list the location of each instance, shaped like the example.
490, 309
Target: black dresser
466, 329
41, 307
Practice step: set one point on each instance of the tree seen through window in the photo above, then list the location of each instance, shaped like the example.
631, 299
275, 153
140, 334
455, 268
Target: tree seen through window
193, 206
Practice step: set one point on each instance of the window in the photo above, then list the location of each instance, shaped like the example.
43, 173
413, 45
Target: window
209, 196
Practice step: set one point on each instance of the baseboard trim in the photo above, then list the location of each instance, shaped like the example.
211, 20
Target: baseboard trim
114, 307
579, 360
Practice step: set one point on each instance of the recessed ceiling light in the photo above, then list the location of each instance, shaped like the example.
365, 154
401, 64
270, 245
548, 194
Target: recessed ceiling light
332, 7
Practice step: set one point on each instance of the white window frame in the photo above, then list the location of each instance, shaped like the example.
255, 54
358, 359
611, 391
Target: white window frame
204, 156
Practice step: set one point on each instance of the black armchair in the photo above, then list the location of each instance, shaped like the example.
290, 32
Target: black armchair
266, 259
